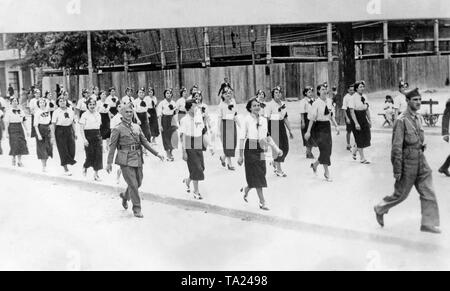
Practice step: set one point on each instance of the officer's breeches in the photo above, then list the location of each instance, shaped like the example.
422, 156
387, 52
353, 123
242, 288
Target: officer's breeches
133, 178
417, 173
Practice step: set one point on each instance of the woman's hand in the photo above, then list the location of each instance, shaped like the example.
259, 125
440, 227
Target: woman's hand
86, 144
357, 126
241, 161
39, 137
307, 135
185, 156
337, 131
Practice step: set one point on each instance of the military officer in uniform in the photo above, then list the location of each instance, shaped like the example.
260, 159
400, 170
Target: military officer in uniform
411, 167
129, 139
445, 125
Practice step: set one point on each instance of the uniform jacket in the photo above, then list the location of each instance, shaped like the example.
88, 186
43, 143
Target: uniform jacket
407, 141
124, 136
446, 119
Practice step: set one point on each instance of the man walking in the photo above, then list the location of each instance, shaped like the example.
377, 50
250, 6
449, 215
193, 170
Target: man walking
411, 167
445, 125
129, 139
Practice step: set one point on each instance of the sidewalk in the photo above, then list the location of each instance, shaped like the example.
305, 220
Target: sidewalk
301, 201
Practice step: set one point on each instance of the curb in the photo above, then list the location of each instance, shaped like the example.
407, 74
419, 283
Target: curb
275, 221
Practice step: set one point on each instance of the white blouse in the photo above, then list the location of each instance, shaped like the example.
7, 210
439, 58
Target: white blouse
254, 128
91, 120
164, 109
116, 120
14, 116
191, 126
138, 102
318, 111
126, 99
306, 105
151, 101
33, 105
41, 117
400, 103
346, 101
81, 105
102, 107
356, 102
275, 111
181, 104
225, 112
63, 117
109, 100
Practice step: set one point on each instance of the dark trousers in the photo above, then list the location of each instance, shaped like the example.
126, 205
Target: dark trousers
133, 178
416, 172
446, 165
94, 152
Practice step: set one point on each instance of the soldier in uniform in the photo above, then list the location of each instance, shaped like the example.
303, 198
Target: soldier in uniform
445, 125
411, 167
129, 139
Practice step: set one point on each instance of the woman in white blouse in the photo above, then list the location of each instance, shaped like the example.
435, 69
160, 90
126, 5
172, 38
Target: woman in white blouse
360, 115
90, 123
63, 130
320, 129
252, 147
105, 127
191, 129
152, 101
44, 142
168, 123
15, 129
180, 104
277, 115
228, 122
141, 107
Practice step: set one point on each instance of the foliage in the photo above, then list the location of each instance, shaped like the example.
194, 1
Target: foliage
69, 49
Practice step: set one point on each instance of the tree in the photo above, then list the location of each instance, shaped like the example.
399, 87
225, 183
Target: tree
69, 49
347, 65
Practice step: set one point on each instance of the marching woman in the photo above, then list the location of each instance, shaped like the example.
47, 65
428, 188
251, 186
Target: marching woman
141, 108
115, 121
128, 98
15, 129
305, 107
202, 111
111, 100
320, 129
95, 93
191, 129
278, 123
51, 101
255, 141
33, 107
105, 127
227, 121
64, 134
180, 104
90, 123
44, 142
65, 96
361, 123
81, 105
261, 98
168, 123
152, 101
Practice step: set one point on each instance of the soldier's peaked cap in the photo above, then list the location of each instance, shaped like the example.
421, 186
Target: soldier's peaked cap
413, 93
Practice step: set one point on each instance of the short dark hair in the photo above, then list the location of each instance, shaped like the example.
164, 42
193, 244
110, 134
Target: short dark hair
320, 87
249, 104
190, 103
306, 89
89, 100
357, 84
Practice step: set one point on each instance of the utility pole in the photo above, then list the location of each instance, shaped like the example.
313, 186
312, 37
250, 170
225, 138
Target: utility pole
90, 66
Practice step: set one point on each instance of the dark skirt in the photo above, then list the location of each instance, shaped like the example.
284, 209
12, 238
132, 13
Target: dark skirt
145, 126
322, 135
169, 133
307, 143
65, 142
44, 148
349, 127
195, 161
17, 141
362, 137
33, 130
105, 127
153, 122
94, 152
277, 130
255, 165
228, 132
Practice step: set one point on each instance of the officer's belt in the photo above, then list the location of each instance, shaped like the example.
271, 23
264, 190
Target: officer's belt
133, 147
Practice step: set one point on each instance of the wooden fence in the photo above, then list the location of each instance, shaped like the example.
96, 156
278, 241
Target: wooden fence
380, 74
